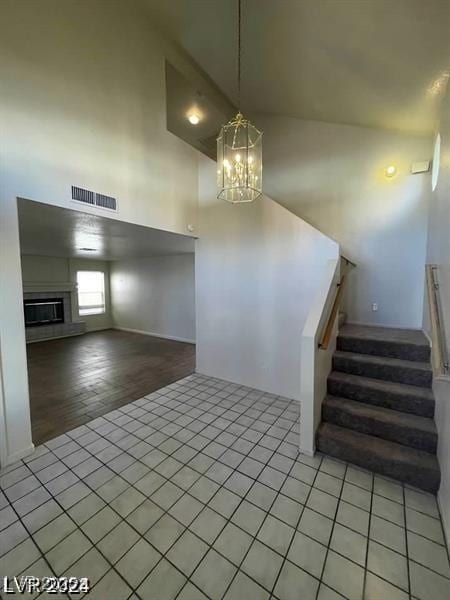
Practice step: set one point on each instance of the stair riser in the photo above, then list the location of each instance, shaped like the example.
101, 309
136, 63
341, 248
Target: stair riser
384, 348
407, 436
404, 403
385, 372
424, 479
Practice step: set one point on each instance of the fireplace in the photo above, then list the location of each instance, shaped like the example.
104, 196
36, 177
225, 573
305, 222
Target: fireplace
43, 311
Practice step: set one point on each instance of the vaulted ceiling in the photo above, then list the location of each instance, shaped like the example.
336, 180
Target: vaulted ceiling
376, 63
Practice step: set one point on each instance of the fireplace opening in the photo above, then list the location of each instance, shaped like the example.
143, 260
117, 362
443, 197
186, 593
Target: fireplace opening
43, 311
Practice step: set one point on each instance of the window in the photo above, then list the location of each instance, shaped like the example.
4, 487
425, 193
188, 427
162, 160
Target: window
91, 292
436, 162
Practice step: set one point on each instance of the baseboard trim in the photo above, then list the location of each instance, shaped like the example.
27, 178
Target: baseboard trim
307, 452
19, 454
365, 324
56, 337
157, 335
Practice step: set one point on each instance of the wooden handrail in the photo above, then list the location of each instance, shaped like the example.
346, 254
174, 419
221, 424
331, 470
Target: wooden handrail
326, 338
328, 331
348, 261
439, 347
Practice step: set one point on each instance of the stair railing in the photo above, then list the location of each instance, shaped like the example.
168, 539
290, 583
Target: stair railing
318, 343
346, 266
439, 343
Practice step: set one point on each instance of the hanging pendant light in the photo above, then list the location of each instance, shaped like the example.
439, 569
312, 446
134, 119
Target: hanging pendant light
239, 152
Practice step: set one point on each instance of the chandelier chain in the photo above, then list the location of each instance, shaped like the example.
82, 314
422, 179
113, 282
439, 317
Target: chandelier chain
239, 56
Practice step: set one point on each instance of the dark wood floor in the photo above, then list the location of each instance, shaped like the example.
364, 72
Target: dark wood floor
74, 380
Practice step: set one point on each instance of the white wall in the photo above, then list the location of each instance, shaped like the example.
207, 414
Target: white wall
155, 295
82, 103
49, 269
332, 176
257, 267
439, 254
316, 362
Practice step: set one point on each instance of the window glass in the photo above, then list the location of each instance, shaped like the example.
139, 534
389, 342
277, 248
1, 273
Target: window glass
436, 162
91, 292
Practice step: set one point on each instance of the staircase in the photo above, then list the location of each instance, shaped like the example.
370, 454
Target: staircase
379, 410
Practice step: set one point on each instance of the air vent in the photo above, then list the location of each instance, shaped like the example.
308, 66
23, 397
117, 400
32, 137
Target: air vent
105, 201
93, 198
83, 195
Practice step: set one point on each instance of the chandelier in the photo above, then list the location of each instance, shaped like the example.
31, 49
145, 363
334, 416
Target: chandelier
239, 152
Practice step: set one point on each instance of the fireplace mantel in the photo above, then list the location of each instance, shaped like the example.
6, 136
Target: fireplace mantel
53, 286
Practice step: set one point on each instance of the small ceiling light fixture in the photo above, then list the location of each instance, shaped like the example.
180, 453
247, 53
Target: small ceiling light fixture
194, 118
87, 249
239, 151
390, 171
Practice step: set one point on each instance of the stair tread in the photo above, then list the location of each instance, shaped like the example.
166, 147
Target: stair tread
380, 413
383, 386
384, 334
383, 449
384, 360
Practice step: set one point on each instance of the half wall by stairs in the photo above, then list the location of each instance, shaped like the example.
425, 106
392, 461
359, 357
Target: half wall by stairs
379, 410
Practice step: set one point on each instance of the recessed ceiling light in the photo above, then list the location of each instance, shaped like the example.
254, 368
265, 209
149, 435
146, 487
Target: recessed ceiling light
193, 118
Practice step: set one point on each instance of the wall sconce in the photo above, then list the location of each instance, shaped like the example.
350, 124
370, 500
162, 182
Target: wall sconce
390, 171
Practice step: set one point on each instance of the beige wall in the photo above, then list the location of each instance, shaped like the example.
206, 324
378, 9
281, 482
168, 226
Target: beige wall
155, 295
332, 176
258, 268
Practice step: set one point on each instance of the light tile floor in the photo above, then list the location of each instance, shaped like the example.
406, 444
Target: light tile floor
197, 491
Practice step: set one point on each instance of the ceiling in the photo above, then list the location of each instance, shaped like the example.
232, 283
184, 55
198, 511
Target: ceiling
47, 230
183, 99
376, 63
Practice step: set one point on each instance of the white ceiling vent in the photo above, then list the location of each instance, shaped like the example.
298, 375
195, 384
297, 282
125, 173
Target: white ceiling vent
93, 198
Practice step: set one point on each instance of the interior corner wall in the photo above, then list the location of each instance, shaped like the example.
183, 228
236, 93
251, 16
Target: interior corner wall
333, 177
438, 253
258, 268
155, 296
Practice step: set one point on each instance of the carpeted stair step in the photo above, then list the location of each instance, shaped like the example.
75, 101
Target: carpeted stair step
409, 430
406, 344
396, 396
403, 463
381, 367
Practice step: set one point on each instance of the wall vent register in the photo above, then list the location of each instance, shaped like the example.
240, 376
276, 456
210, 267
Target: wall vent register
93, 198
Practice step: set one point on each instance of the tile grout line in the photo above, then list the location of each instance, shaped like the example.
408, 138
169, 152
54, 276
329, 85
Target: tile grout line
296, 529
408, 574
331, 534
366, 559
258, 530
